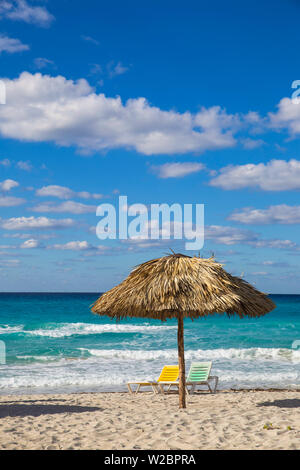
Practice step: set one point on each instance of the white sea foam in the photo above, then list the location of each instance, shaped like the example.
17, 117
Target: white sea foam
97, 374
7, 329
70, 329
250, 354
39, 358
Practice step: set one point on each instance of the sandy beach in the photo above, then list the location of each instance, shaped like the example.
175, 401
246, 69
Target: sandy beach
227, 420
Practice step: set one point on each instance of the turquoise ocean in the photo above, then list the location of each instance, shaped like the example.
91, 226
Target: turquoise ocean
55, 344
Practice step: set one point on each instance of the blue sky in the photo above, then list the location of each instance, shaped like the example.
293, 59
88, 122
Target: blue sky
165, 102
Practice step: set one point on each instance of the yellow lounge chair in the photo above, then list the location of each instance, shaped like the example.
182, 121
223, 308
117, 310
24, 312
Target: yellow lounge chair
169, 374
199, 374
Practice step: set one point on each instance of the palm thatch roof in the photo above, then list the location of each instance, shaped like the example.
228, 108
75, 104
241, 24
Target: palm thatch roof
193, 286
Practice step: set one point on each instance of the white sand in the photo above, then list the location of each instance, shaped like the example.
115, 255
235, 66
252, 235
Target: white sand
226, 420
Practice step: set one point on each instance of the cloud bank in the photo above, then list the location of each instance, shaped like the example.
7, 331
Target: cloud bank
42, 108
276, 175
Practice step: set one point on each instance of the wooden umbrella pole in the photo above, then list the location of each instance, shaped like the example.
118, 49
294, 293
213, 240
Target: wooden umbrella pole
180, 338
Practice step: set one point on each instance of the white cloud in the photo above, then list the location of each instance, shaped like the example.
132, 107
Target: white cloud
21, 165
8, 184
79, 246
20, 10
71, 207
9, 263
253, 118
276, 264
7, 247
42, 108
176, 170
257, 123
27, 236
95, 69
9, 201
42, 63
116, 69
251, 144
90, 39
24, 223
224, 235
229, 235
280, 214
21, 236
6, 163
62, 192
26, 166
276, 175
232, 236
276, 244
287, 117
11, 45
29, 244
74, 245
137, 245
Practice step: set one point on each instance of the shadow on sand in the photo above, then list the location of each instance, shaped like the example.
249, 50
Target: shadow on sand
14, 410
48, 400
288, 403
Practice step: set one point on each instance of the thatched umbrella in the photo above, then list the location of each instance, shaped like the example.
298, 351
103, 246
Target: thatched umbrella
179, 286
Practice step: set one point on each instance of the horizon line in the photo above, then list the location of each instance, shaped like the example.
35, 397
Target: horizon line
88, 292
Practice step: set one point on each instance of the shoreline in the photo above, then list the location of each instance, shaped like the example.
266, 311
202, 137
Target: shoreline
229, 419
142, 391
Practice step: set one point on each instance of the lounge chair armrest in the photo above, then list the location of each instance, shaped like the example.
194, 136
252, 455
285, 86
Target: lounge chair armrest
196, 383
169, 382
